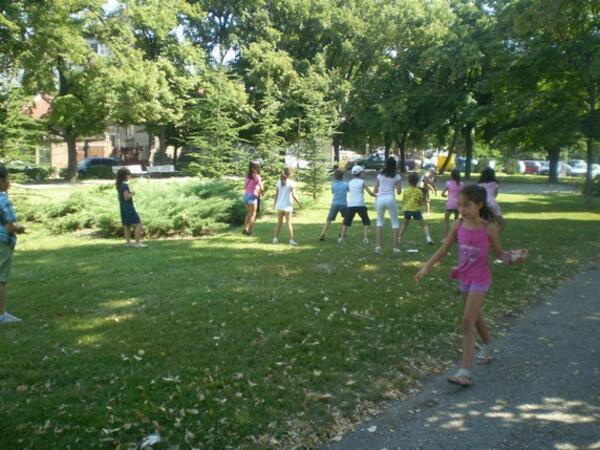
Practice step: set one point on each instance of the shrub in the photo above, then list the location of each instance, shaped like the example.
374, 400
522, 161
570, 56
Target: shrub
190, 208
511, 166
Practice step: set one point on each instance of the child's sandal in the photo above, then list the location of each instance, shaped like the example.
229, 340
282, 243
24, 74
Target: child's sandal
484, 356
462, 377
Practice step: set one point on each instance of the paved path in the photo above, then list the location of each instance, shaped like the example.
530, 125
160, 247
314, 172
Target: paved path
542, 391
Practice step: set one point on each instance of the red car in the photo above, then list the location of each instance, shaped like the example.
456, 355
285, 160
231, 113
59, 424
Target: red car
532, 167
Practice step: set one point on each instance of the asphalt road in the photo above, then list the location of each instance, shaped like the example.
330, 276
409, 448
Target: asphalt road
541, 391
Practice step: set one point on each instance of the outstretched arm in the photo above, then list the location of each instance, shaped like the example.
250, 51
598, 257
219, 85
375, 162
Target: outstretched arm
439, 255
296, 198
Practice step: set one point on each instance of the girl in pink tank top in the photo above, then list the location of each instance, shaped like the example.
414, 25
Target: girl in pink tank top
452, 189
474, 236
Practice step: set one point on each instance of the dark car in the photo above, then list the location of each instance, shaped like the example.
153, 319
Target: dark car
532, 167
87, 163
372, 161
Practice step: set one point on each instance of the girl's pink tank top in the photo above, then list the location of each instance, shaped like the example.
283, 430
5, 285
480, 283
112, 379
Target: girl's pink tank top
473, 265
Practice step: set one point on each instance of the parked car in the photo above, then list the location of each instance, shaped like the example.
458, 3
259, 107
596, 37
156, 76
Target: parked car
563, 168
372, 161
578, 167
532, 167
87, 163
461, 163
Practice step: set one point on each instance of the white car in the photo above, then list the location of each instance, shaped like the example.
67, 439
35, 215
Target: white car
578, 168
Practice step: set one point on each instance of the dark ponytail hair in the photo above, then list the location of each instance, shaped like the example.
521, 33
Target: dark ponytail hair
253, 169
488, 175
455, 175
285, 174
477, 194
121, 174
389, 167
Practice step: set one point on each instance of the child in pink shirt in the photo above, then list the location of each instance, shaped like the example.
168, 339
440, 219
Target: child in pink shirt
452, 188
253, 188
475, 235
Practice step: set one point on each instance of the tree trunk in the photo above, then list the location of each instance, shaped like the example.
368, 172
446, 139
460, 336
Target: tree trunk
553, 155
175, 156
587, 190
71, 156
160, 156
468, 135
402, 148
386, 143
450, 151
337, 143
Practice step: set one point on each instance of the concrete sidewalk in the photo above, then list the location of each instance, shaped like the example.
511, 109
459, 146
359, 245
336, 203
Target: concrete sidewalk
542, 391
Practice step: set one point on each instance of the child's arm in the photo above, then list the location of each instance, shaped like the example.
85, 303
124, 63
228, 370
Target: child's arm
368, 189
376, 187
275, 199
127, 194
261, 187
444, 192
14, 228
296, 198
507, 257
439, 255
399, 187
432, 187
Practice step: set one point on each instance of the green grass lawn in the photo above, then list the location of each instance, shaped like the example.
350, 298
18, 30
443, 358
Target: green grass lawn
232, 342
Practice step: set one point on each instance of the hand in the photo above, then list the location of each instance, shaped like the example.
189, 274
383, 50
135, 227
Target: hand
421, 273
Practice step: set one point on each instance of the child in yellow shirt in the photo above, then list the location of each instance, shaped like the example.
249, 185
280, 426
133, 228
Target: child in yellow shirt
412, 200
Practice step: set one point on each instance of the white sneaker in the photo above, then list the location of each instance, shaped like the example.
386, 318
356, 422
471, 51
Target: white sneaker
139, 245
365, 241
378, 249
275, 241
397, 250
430, 242
8, 318
293, 242
340, 240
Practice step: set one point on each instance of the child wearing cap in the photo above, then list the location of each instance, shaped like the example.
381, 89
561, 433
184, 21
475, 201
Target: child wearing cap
413, 199
9, 228
356, 204
339, 189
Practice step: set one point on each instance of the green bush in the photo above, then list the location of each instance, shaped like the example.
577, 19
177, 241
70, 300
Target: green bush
191, 208
511, 166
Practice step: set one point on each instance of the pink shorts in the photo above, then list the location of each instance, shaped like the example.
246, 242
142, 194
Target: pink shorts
475, 287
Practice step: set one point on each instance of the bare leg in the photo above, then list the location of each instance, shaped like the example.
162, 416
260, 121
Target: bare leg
279, 223
127, 233
378, 236
251, 217
403, 229
247, 217
138, 232
396, 237
473, 306
288, 221
425, 227
343, 231
325, 228
446, 223
366, 232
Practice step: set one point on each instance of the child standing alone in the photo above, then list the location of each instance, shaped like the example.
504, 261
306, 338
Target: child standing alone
253, 188
9, 228
283, 204
474, 235
452, 188
356, 204
129, 216
412, 200
488, 181
339, 189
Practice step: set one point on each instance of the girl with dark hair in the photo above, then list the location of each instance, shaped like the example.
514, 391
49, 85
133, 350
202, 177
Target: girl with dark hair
283, 204
386, 186
453, 187
488, 181
129, 216
474, 235
253, 188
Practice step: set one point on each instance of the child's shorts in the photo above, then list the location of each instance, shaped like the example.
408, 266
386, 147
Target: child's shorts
334, 210
476, 287
413, 215
6, 252
361, 211
250, 199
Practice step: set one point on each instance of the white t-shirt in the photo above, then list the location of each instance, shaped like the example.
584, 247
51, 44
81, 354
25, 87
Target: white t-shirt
356, 196
387, 185
284, 196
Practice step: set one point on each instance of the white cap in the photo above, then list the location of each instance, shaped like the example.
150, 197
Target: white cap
357, 169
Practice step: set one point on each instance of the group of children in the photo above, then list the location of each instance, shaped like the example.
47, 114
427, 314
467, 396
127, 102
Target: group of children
475, 232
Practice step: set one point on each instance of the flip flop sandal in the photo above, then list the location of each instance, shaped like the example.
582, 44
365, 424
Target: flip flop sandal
484, 356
